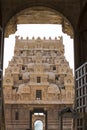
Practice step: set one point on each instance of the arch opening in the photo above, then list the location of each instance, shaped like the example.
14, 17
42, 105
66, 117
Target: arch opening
38, 125
50, 18
42, 16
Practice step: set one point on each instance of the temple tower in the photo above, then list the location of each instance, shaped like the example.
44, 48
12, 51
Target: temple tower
38, 83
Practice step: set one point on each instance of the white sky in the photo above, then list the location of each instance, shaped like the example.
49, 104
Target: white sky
47, 30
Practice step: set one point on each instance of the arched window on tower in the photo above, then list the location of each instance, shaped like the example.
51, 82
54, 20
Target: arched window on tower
38, 94
38, 79
16, 115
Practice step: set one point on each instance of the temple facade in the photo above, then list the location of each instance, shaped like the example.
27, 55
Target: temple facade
38, 83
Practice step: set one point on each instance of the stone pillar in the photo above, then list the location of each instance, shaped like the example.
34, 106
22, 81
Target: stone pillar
2, 123
80, 40
60, 122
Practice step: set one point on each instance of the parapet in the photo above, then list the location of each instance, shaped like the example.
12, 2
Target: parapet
59, 38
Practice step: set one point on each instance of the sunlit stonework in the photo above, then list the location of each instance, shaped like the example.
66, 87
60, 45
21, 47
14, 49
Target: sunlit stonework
38, 83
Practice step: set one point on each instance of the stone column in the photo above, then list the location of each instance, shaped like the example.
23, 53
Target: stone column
61, 122
2, 123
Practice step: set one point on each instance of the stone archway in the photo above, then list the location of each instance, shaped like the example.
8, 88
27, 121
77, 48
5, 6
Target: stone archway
38, 117
33, 17
38, 15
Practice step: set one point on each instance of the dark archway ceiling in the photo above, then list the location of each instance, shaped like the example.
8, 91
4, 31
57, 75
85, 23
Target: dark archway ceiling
38, 15
69, 8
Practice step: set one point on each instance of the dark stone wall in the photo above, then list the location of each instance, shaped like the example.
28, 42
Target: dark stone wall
81, 44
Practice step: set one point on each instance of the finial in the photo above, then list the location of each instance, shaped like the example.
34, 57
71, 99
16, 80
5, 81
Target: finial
55, 38
38, 38
44, 38
16, 37
32, 38
49, 38
61, 38
21, 38
27, 38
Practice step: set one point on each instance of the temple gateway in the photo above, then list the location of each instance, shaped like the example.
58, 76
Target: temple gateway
38, 84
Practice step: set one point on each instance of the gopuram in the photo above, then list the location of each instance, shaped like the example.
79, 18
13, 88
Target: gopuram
38, 83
